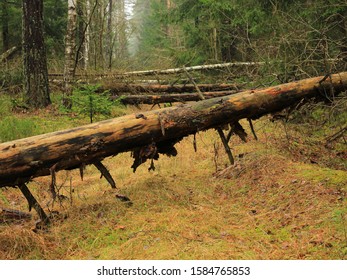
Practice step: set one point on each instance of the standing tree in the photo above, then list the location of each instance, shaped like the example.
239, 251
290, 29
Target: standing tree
87, 37
70, 45
34, 55
109, 38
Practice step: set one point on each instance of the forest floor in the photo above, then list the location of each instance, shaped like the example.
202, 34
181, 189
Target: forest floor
285, 198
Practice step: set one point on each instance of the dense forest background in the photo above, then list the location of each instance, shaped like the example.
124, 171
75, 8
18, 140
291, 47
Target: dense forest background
301, 37
68, 63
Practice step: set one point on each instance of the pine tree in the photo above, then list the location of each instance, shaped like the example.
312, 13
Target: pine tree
34, 55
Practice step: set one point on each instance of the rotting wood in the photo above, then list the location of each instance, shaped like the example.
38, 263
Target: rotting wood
168, 98
24, 159
116, 89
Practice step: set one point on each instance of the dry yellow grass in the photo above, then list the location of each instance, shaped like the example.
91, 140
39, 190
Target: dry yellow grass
268, 206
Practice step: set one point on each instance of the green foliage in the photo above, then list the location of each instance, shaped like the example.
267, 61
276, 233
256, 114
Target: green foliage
5, 105
12, 20
87, 101
55, 12
299, 36
54, 24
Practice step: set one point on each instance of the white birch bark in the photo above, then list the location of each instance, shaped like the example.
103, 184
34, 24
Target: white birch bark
87, 38
70, 45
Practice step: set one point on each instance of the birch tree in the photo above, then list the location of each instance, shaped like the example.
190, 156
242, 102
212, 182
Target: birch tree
86, 38
70, 54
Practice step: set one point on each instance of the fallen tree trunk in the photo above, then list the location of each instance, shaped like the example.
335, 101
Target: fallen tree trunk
157, 88
148, 133
164, 71
192, 68
168, 98
9, 215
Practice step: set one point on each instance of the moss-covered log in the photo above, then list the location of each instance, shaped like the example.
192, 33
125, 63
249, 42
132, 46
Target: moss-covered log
23, 159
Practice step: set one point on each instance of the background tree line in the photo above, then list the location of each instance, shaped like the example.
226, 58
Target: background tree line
302, 37
295, 38
101, 28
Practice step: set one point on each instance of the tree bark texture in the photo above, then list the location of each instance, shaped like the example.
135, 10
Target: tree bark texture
34, 55
158, 130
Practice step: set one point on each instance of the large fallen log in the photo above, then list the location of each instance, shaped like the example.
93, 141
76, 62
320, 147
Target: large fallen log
168, 98
149, 133
157, 88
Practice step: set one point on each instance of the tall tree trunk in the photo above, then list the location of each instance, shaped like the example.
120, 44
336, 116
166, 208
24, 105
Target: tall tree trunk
87, 37
81, 23
5, 32
109, 38
34, 55
70, 45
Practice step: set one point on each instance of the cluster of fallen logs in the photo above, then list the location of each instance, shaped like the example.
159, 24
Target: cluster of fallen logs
135, 99
146, 134
157, 93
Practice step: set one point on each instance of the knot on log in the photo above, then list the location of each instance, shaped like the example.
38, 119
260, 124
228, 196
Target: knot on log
94, 146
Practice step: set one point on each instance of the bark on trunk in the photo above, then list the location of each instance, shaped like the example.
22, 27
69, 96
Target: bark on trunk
34, 55
154, 131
